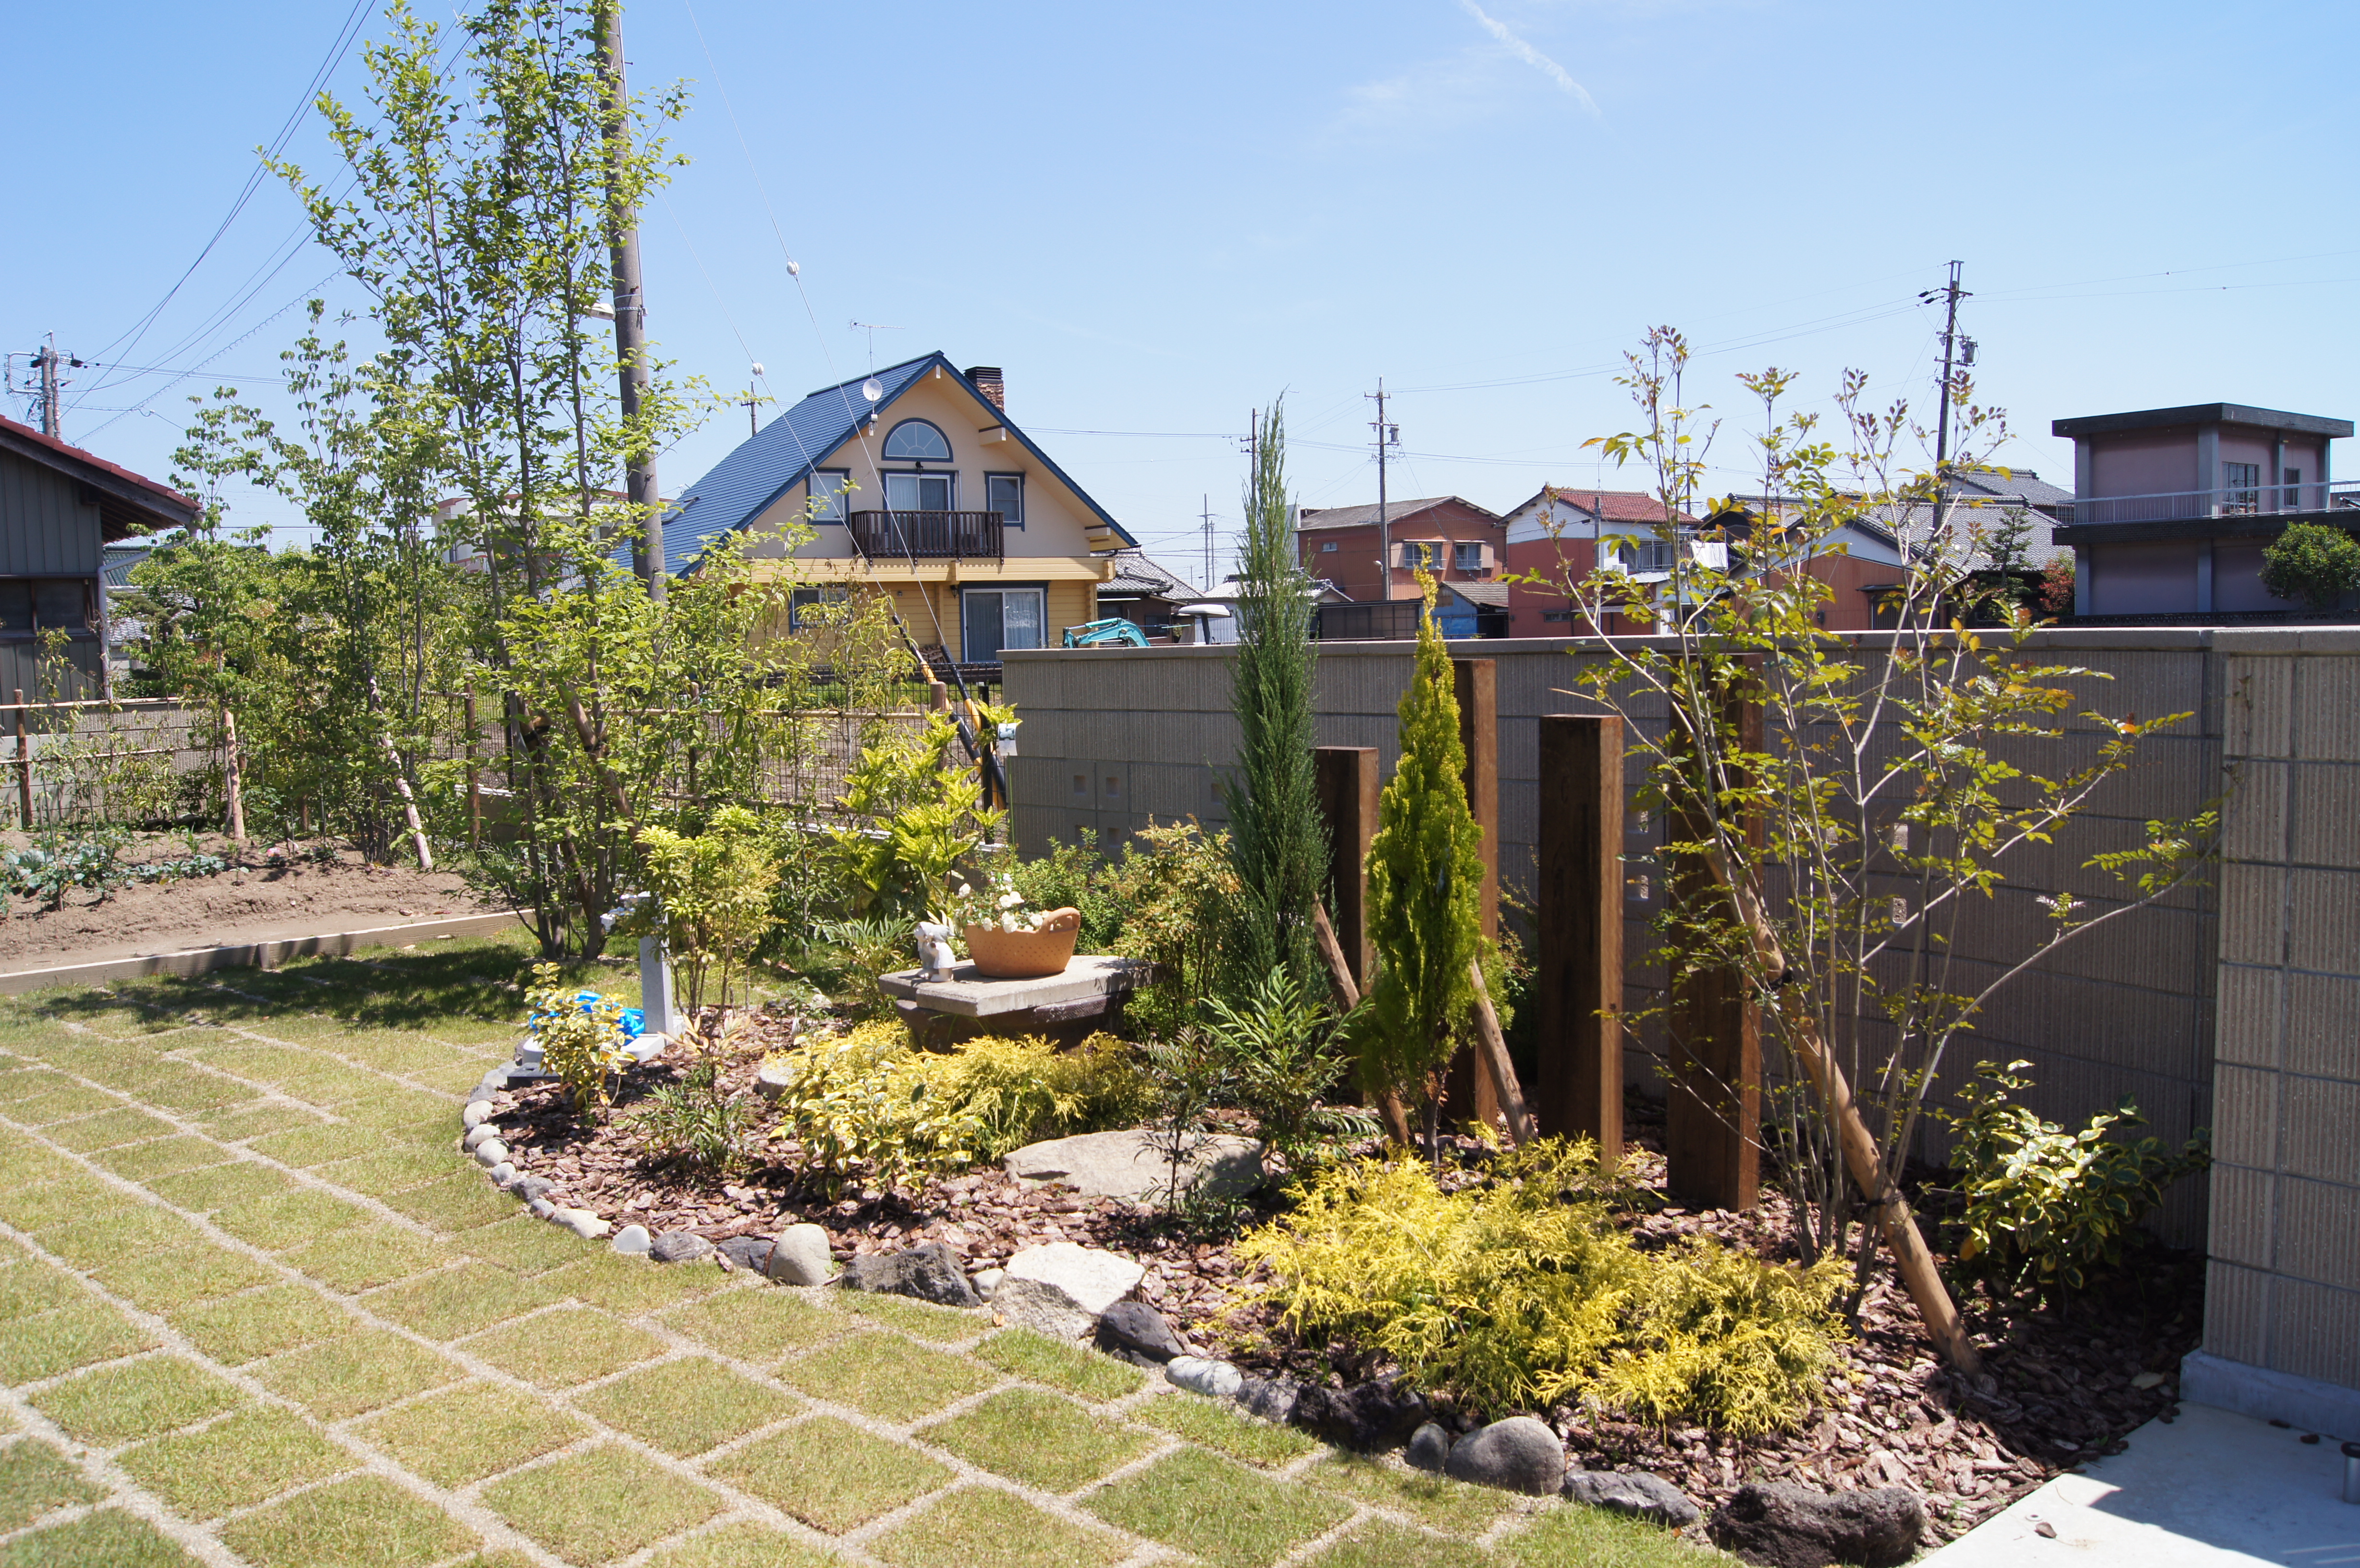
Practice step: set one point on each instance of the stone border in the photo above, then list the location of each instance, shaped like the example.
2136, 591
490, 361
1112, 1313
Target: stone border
253, 956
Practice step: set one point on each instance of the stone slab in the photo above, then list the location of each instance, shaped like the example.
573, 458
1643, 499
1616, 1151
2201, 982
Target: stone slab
266, 954
969, 994
1128, 1165
1093, 1278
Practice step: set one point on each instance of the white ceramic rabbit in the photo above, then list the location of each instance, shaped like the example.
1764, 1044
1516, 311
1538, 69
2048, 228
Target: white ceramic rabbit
936, 959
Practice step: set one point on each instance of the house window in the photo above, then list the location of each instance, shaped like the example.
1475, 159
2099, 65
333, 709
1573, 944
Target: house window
2241, 487
1004, 494
1632, 554
43, 605
995, 619
1328, 548
2290, 498
830, 491
1557, 614
1467, 557
922, 492
805, 604
915, 441
1423, 552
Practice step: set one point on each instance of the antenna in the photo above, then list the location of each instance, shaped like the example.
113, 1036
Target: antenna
872, 388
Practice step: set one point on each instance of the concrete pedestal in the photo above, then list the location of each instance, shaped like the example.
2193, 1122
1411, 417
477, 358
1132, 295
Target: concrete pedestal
1085, 997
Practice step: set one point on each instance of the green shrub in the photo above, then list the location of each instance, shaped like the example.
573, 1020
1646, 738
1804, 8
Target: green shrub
1022, 1091
918, 810
712, 902
2047, 1209
581, 1042
2312, 562
1521, 1294
693, 1121
861, 1105
1286, 1047
1075, 876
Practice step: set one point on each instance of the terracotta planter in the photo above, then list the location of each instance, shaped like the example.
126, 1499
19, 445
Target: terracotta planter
1025, 955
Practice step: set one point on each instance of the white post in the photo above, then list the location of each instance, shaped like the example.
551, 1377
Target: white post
655, 988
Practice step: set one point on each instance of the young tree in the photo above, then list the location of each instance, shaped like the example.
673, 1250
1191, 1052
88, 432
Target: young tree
2312, 562
1899, 776
1278, 838
1426, 894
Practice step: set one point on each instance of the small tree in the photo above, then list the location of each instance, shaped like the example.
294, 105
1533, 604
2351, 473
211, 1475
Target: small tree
1425, 891
1278, 839
2312, 562
711, 901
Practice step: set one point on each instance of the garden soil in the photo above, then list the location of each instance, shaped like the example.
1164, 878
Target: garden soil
264, 897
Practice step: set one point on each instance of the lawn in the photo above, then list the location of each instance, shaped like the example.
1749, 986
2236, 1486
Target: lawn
248, 1312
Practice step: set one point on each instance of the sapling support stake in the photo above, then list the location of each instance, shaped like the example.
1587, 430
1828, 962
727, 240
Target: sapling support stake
1492, 1045
1340, 973
401, 783
232, 778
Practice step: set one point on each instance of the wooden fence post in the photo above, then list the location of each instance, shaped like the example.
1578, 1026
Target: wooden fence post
1578, 935
24, 765
1712, 1111
1348, 786
1476, 683
474, 784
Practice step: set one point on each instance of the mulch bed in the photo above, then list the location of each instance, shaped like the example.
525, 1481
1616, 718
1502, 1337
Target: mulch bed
2058, 1387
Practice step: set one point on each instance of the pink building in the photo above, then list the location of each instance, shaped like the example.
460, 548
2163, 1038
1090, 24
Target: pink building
2174, 507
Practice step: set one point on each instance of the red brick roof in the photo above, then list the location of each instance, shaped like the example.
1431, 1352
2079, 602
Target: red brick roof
174, 508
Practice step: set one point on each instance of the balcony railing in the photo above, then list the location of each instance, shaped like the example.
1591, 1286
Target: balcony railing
2229, 501
928, 536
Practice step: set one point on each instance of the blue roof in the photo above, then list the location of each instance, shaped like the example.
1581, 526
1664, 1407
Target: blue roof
750, 479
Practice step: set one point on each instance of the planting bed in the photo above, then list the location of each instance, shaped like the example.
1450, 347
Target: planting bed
2058, 1388
260, 897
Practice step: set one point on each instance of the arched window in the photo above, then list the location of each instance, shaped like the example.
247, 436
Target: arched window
915, 441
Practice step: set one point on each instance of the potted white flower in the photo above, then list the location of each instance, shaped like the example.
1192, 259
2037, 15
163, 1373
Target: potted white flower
1007, 938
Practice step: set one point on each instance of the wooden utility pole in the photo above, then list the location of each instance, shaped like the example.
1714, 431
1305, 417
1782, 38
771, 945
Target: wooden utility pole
1578, 934
630, 313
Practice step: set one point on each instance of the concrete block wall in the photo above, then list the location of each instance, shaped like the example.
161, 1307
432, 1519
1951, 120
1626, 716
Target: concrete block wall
2264, 957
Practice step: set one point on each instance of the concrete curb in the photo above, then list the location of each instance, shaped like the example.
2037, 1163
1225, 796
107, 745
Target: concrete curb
252, 955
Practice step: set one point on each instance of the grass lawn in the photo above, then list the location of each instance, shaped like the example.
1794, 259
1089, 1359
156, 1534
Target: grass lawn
244, 1270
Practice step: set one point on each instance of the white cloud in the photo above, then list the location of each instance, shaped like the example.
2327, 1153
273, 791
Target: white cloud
1531, 56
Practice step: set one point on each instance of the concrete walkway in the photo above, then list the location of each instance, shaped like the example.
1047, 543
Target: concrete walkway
2211, 1490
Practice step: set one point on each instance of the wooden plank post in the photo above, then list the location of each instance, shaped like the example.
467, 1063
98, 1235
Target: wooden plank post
1349, 786
1476, 684
1578, 936
24, 766
1712, 1111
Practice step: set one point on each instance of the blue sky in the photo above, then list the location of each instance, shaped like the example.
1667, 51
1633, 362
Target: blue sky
1156, 218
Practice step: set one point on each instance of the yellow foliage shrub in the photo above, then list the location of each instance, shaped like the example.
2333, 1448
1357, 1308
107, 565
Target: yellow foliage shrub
1521, 1294
1024, 1090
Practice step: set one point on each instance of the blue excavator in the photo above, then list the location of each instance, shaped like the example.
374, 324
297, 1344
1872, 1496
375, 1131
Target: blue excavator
1113, 632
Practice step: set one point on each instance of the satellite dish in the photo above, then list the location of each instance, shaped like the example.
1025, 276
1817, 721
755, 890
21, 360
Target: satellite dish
872, 389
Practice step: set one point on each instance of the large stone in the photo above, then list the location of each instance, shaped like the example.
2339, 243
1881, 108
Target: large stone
771, 1080
1429, 1447
1095, 1278
1640, 1494
1783, 1525
478, 1134
1042, 1307
583, 1223
679, 1246
1138, 1333
1366, 1417
491, 1152
1519, 1455
1272, 1398
1200, 1375
929, 1271
1130, 1166
746, 1251
633, 1239
478, 1112
800, 1256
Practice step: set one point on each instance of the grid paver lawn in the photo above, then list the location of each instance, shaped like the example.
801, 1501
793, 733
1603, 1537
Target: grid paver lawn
250, 1182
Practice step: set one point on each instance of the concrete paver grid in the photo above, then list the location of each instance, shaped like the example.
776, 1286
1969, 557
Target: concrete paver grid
226, 1338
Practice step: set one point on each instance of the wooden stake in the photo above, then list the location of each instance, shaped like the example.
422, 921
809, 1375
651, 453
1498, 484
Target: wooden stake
474, 779
24, 765
1331, 951
231, 778
1492, 1046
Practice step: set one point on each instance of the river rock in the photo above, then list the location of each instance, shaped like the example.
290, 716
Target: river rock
1095, 1278
1138, 1333
679, 1246
800, 1255
986, 1280
1640, 1494
478, 1134
1519, 1455
1272, 1398
491, 1152
1783, 1525
1429, 1447
633, 1240
530, 1187
929, 1271
1200, 1375
1042, 1307
1366, 1417
746, 1251
771, 1080
478, 1112
582, 1223
1128, 1165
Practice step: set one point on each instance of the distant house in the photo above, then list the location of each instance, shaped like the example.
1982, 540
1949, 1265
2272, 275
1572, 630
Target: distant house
927, 492
2173, 507
1457, 540
1149, 595
59, 508
1557, 536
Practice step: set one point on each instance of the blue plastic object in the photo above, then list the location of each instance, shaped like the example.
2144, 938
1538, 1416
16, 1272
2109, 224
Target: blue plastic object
1111, 632
634, 1020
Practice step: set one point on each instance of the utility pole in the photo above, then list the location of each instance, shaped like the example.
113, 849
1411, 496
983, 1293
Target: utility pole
630, 313
1951, 293
1387, 436
1207, 578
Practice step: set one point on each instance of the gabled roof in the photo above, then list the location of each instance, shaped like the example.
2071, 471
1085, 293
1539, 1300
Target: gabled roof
1312, 519
750, 479
1613, 506
1138, 575
128, 503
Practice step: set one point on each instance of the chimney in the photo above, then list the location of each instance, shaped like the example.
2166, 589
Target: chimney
985, 378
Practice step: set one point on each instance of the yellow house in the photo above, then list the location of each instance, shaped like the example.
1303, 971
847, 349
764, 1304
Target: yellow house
927, 491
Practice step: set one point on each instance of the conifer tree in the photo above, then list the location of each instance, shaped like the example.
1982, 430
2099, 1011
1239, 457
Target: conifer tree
1425, 889
1278, 839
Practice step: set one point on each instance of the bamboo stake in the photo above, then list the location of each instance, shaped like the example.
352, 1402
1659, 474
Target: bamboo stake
1492, 1046
1323, 931
1862, 1158
231, 778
